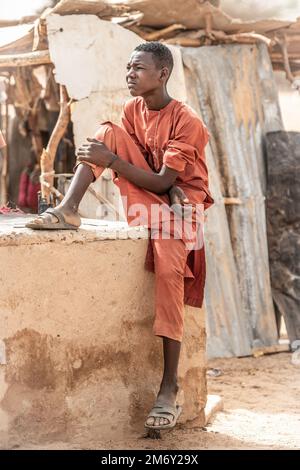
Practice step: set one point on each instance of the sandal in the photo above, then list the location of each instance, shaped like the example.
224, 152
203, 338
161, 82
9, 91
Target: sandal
60, 225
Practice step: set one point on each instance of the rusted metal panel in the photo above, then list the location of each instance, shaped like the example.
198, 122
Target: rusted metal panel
227, 324
234, 89
283, 217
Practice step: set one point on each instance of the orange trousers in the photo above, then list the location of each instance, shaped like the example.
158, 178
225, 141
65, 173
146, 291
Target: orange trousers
170, 255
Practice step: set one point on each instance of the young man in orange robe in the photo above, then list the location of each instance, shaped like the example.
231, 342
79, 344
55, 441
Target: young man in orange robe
157, 157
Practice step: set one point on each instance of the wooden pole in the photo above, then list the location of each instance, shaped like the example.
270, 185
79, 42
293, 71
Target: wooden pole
208, 24
155, 35
103, 200
184, 41
25, 59
24, 20
281, 41
48, 155
232, 200
212, 38
4, 170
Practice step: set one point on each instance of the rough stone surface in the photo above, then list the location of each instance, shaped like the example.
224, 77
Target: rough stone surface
78, 356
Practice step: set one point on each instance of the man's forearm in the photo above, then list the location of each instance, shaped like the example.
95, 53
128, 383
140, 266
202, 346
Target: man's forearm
154, 182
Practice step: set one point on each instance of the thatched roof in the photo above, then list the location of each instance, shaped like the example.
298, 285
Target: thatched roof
188, 23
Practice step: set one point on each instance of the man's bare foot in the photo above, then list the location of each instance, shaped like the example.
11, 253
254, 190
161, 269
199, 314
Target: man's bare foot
71, 217
166, 396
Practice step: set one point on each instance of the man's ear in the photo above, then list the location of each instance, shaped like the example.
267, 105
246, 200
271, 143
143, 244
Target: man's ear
164, 73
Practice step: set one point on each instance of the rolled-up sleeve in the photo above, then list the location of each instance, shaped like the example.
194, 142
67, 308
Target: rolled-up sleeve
189, 142
127, 119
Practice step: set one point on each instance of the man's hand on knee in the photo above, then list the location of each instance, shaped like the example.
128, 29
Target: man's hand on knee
177, 196
180, 202
96, 152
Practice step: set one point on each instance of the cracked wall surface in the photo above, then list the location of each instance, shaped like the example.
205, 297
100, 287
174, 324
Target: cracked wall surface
78, 359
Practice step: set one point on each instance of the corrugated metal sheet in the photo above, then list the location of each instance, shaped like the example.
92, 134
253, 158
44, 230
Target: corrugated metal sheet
283, 222
234, 89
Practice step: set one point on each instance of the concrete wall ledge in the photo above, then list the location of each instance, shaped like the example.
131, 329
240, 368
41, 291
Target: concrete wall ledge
78, 358
13, 232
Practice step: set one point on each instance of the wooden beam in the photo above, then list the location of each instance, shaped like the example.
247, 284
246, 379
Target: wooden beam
232, 200
277, 56
53, 190
282, 346
184, 41
162, 33
5, 160
103, 200
24, 20
26, 59
246, 38
219, 38
281, 41
40, 38
208, 24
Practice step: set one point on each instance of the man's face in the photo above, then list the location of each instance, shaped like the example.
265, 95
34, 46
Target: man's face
143, 76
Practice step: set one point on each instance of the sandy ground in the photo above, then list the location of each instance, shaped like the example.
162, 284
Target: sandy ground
261, 411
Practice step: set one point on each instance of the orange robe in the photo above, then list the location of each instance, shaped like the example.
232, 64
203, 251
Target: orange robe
174, 136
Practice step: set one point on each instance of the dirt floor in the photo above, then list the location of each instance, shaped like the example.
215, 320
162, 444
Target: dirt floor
261, 410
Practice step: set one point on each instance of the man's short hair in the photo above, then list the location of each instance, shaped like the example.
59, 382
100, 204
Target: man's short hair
162, 55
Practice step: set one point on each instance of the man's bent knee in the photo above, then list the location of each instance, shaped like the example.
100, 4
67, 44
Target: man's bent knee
96, 170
